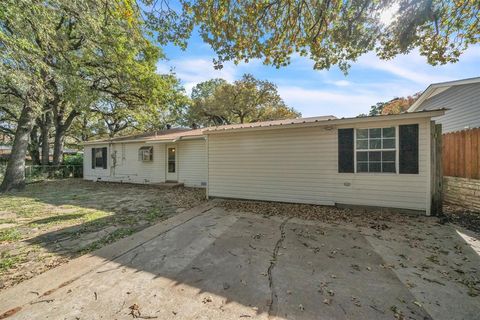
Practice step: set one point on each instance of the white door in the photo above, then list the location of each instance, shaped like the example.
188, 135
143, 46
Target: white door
172, 163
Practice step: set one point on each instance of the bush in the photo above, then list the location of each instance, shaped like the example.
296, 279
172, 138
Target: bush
73, 160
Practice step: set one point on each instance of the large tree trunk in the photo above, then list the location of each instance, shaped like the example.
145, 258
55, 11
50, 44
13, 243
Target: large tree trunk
44, 137
34, 146
15, 172
58, 145
61, 129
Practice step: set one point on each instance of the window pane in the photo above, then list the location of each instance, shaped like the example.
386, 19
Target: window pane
362, 167
375, 166
99, 158
389, 132
171, 167
362, 133
388, 155
375, 133
375, 156
171, 154
362, 156
362, 144
388, 167
375, 144
389, 143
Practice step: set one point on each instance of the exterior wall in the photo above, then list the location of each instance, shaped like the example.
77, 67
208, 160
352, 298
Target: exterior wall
462, 192
300, 165
94, 174
192, 163
464, 104
128, 167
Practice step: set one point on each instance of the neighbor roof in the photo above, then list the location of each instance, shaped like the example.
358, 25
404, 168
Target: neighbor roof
437, 88
154, 135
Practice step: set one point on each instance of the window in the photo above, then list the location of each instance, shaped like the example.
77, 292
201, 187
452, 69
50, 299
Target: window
145, 154
171, 160
99, 158
376, 150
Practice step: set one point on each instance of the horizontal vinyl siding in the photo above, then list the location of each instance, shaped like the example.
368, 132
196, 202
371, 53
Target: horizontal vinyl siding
464, 104
94, 174
300, 165
192, 163
128, 168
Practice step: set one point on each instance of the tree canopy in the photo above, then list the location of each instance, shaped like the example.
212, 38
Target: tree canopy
329, 32
395, 106
217, 102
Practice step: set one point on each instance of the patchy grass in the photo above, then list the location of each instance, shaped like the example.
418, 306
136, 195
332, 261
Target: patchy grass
10, 234
51, 222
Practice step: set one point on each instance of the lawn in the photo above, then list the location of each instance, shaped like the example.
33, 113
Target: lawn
51, 222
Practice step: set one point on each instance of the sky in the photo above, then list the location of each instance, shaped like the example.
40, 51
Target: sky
325, 92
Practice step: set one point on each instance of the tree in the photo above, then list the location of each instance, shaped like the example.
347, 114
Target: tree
95, 45
377, 109
329, 32
217, 102
394, 106
399, 105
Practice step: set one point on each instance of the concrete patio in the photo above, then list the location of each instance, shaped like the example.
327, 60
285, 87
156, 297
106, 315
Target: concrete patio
207, 263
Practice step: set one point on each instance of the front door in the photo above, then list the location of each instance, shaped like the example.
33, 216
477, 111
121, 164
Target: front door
172, 165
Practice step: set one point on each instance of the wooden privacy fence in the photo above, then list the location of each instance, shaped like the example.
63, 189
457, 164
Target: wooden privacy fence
461, 154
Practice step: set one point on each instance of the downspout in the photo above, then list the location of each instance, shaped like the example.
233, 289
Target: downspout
208, 166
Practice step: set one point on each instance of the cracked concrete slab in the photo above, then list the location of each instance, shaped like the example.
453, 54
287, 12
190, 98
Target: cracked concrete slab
206, 263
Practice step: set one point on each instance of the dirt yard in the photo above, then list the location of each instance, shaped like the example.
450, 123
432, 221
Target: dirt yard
53, 222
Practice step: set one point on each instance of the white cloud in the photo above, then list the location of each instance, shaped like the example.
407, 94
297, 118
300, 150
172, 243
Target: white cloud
195, 70
340, 83
315, 102
414, 67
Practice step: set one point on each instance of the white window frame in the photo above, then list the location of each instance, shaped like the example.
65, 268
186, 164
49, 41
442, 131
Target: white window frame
396, 149
145, 155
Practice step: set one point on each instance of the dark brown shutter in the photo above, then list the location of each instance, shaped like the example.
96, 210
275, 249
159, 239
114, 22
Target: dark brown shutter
345, 150
408, 148
104, 157
93, 158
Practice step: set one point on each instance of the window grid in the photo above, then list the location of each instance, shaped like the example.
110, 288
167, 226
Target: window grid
376, 150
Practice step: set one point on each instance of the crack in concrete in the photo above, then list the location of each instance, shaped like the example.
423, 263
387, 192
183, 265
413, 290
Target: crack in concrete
273, 262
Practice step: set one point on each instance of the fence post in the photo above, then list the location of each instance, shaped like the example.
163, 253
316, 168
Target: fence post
437, 170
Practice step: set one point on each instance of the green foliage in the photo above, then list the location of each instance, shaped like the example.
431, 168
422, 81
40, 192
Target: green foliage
75, 160
331, 33
217, 102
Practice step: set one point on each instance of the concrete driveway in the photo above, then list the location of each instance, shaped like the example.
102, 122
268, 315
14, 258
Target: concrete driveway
207, 263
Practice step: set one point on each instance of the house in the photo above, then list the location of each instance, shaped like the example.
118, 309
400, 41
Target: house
460, 97
380, 161
461, 138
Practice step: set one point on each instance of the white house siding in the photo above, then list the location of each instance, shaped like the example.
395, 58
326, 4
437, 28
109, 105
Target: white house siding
300, 165
88, 172
128, 168
463, 102
192, 162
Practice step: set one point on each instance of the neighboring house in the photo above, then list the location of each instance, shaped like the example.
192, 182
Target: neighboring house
374, 161
461, 98
461, 138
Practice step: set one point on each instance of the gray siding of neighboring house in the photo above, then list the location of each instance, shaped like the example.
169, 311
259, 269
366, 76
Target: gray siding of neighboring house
464, 104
